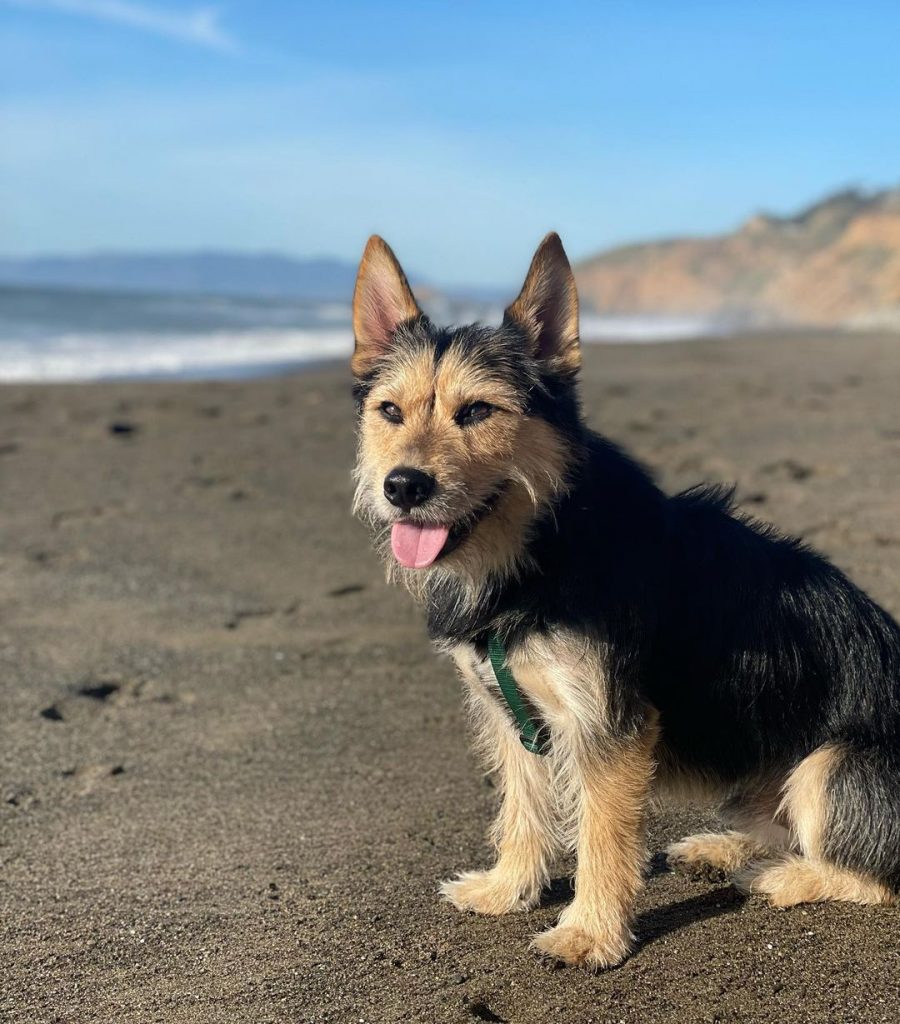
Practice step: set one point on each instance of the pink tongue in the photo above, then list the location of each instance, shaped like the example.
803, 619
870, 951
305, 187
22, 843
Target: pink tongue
417, 546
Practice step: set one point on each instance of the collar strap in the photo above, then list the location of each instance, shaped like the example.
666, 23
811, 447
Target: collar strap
534, 737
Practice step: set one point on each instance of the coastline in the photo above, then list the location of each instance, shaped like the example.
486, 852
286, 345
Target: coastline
262, 353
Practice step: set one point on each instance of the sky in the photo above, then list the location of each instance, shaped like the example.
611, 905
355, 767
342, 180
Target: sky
462, 132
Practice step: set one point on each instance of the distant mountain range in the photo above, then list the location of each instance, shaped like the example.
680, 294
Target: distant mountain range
835, 263
218, 273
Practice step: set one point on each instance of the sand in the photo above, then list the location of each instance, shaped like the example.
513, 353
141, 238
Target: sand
232, 772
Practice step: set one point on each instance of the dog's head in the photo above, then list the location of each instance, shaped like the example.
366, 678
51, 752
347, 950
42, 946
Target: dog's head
466, 435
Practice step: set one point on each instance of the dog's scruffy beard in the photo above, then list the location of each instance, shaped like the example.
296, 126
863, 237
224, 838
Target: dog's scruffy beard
488, 541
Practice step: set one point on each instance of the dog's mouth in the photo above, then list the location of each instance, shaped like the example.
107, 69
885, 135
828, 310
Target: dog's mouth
418, 545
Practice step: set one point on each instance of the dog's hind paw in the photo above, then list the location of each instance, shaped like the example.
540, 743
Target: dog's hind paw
489, 892
576, 947
711, 853
791, 880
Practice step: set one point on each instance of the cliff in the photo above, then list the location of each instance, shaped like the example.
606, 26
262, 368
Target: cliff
836, 263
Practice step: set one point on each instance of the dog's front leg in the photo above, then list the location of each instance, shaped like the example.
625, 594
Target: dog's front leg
524, 832
610, 794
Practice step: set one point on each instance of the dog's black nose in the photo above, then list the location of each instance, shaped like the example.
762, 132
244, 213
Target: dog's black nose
406, 487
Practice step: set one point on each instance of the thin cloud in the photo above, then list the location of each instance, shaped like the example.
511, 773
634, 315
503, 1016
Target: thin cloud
199, 27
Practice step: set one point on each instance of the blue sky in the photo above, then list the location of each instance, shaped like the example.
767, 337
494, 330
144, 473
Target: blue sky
461, 131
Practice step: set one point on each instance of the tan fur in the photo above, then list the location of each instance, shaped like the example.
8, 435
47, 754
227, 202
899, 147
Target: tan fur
565, 675
806, 876
589, 794
525, 832
805, 800
602, 785
719, 851
792, 880
756, 829
525, 451
521, 453
594, 930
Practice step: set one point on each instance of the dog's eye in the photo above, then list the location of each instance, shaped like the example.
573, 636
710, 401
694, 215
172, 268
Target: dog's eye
473, 413
391, 412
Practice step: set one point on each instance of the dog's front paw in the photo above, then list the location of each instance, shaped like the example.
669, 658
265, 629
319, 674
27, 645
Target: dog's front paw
489, 892
576, 947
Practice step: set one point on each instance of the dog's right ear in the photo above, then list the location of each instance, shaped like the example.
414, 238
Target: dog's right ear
382, 300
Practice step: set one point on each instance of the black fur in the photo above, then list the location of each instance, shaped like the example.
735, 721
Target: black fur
754, 649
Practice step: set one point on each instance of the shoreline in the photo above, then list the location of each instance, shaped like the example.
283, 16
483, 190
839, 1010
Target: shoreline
271, 368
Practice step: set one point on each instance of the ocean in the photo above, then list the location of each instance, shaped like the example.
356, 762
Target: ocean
58, 334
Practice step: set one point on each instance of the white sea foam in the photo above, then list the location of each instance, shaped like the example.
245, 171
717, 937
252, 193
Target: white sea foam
86, 356
647, 328
59, 335
101, 356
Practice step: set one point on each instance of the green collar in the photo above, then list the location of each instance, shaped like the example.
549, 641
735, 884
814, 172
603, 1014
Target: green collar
533, 736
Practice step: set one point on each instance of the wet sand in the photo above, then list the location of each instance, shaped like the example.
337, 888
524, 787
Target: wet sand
232, 772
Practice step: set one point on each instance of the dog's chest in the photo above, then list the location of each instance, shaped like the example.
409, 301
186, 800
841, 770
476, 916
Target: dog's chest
532, 676
563, 678
476, 670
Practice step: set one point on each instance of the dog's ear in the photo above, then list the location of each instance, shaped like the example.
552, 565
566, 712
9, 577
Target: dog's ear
547, 308
382, 300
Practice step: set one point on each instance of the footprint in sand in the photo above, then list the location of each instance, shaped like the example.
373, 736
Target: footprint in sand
788, 469
754, 498
19, 796
123, 428
350, 588
71, 515
87, 777
260, 614
89, 696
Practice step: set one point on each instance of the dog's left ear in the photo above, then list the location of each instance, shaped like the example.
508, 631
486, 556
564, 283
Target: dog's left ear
547, 308
382, 300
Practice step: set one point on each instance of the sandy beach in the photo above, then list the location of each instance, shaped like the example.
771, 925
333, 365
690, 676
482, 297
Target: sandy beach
232, 772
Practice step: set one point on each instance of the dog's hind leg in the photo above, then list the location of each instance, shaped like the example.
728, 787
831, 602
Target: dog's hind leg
842, 807
754, 832
525, 831
792, 879
713, 852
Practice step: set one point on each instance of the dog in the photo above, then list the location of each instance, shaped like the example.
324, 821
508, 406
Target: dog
661, 645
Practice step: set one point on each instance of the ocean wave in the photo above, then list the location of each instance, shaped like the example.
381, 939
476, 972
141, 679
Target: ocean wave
597, 328
103, 356
34, 355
